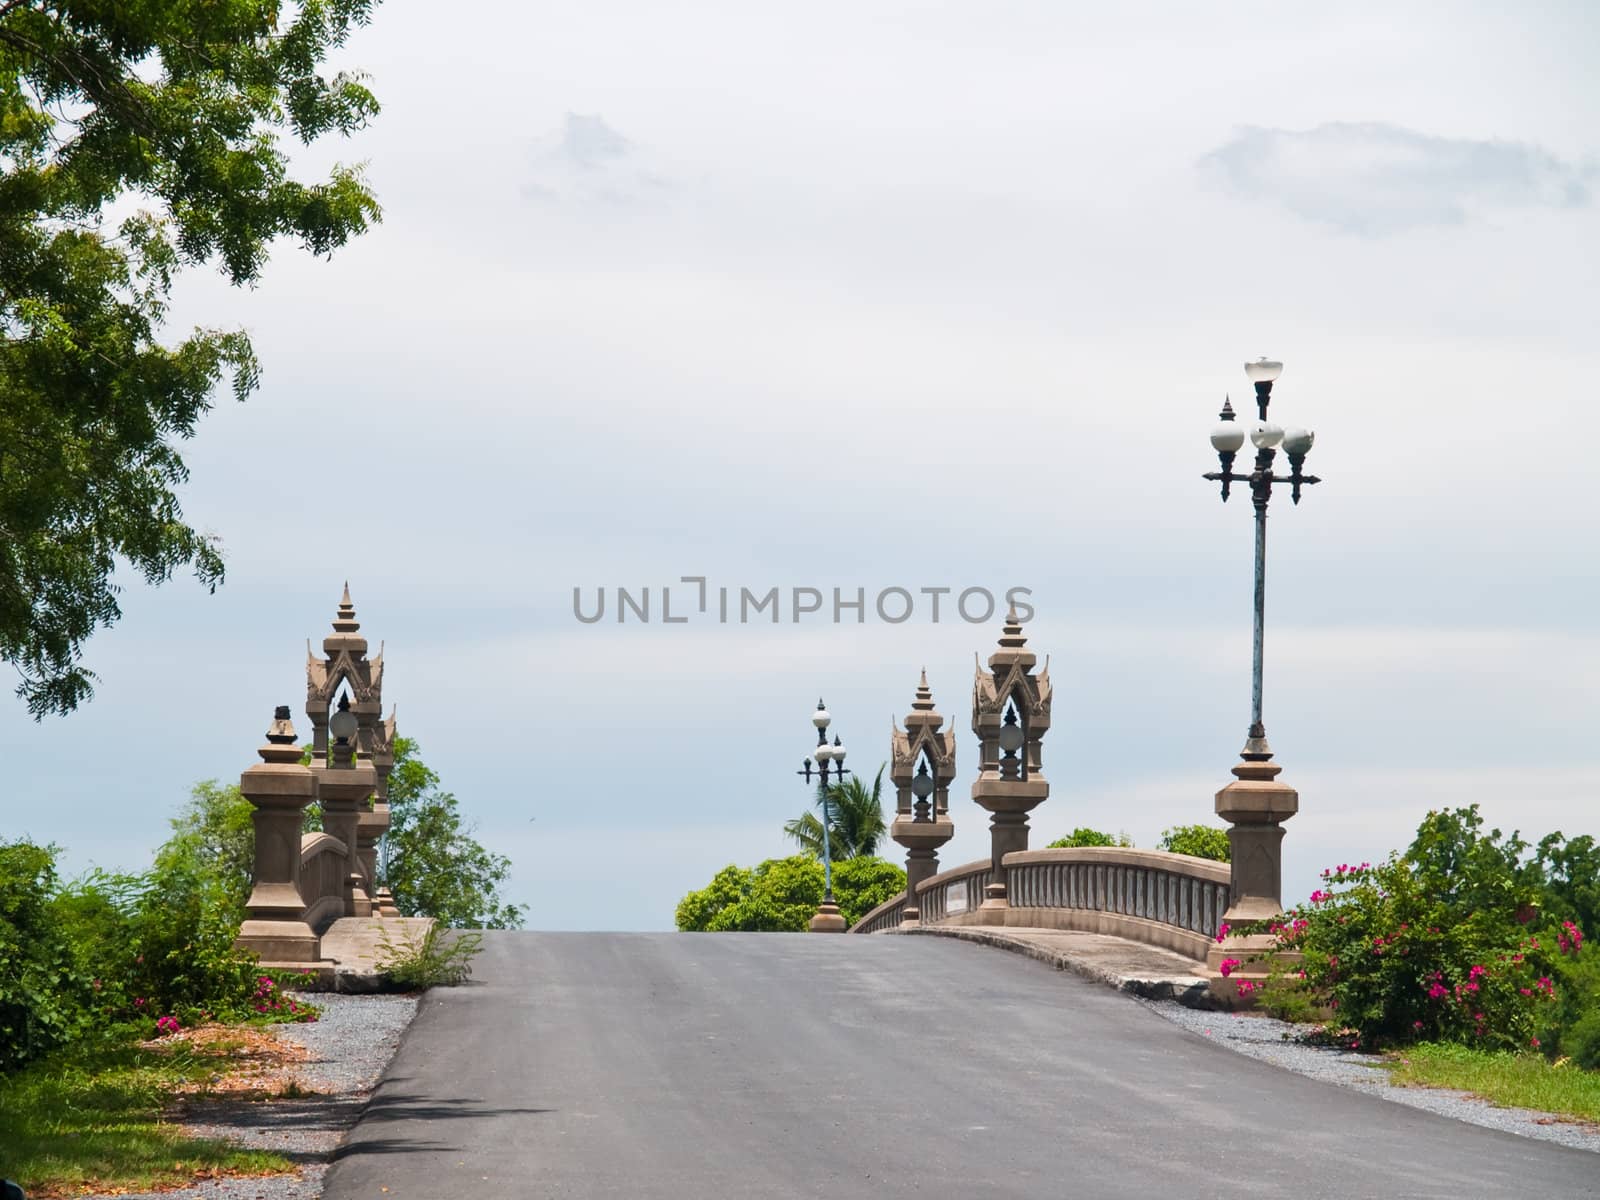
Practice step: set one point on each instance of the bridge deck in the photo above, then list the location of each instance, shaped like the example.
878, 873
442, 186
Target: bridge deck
1128, 966
673, 1066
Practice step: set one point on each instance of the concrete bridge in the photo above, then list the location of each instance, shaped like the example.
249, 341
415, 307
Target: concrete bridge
672, 1066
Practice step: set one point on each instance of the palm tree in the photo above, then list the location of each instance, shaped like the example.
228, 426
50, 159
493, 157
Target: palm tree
855, 820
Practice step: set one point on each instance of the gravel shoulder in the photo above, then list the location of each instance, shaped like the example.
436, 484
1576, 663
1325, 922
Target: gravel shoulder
1279, 1043
349, 1045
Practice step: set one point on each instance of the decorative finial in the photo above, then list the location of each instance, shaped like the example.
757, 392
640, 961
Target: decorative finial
1011, 636
345, 620
282, 731
924, 698
1227, 409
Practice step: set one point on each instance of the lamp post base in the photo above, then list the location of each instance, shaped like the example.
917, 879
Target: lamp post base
828, 919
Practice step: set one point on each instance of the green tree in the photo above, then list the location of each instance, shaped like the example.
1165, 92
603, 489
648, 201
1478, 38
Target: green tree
862, 883
138, 139
214, 833
1084, 836
436, 867
855, 820
1198, 841
781, 895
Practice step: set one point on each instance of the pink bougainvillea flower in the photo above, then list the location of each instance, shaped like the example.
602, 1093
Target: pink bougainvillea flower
1228, 966
1222, 931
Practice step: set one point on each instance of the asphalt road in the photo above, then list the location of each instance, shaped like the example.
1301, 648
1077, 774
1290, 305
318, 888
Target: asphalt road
762, 1065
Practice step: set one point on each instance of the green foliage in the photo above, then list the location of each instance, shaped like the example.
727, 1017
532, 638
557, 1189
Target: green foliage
1504, 1079
214, 834
138, 140
1568, 874
439, 958
90, 1119
861, 884
42, 994
855, 820
1084, 836
1437, 945
727, 888
781, 895
1200, 841
436, 867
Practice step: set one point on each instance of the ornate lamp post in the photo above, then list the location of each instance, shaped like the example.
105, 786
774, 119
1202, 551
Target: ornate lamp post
828, 918
1009, 786
1256, 804
922, 825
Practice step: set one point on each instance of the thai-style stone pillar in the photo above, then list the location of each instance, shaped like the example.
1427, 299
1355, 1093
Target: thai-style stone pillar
344, 787
922, 797
279, 789
382, 766
1010, 714
346, 671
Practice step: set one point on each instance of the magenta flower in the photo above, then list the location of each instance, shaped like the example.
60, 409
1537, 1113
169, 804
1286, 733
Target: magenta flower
1228, 966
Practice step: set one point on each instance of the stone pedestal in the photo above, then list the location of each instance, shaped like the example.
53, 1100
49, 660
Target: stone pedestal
344, 788
370, 827
1008, 802
279, 789
1255, 806
828, 919
922, 839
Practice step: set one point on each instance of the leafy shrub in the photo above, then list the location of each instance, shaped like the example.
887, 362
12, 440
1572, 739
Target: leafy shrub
1084, 836
43, 999
1573, 1030
861, 884
1436, 944
781, 895
439, 958
1200, 841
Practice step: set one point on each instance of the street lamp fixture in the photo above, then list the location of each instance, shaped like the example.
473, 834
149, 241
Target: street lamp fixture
1257, 803
825, 757
1227, 439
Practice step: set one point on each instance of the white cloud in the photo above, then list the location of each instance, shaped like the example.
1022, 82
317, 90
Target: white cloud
588, 161
1376, 178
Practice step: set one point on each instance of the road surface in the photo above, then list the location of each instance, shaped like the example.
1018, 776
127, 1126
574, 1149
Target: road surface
678, 1066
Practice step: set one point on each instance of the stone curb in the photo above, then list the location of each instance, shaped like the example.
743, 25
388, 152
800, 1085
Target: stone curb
1191, 991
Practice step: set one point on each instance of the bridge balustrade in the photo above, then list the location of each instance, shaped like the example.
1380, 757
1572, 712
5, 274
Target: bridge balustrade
324, 867
1151, 896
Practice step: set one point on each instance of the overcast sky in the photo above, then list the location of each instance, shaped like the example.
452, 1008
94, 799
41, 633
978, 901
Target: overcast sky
935, 295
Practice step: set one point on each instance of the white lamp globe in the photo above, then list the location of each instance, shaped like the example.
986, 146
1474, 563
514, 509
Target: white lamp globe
822, 753
1263, 370
343, 725
838, 753
1227, 437
820, 718
1298, 441
1011, 738
1265, 435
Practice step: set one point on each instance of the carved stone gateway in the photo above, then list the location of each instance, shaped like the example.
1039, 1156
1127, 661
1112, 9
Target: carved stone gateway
922, 797
345, 672
1010, 715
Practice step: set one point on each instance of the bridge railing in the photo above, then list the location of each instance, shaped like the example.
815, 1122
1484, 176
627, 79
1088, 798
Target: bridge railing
886, 916
1170, 900
324, 866
952, 897
1151, 896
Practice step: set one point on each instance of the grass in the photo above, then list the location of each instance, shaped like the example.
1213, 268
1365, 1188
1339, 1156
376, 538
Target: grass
92, 1120
1509, 1080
